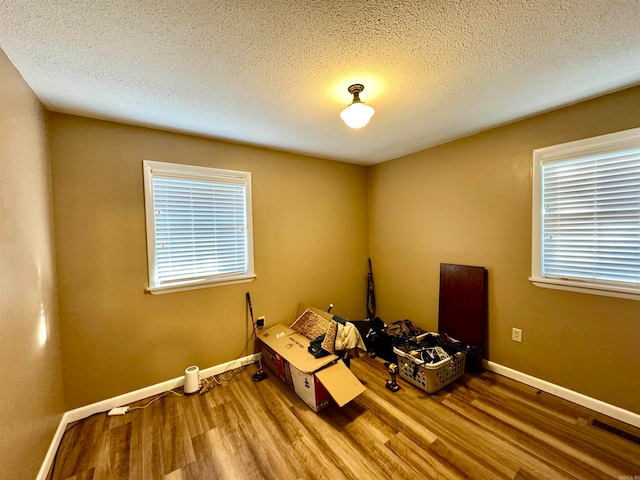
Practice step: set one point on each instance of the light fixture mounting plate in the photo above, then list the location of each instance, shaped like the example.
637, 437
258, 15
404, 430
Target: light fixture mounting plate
356, 88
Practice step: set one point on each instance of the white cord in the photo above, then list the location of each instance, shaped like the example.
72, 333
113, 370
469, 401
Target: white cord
157, 398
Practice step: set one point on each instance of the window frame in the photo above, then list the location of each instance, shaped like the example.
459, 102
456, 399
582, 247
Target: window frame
613, 144
194, 173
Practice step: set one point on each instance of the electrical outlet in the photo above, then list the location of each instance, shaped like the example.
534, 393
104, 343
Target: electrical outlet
516, 335
260, 322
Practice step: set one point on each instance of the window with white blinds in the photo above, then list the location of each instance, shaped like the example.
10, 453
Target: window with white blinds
199, 229
586, 213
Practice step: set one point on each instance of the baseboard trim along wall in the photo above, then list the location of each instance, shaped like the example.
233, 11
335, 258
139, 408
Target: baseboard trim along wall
105, 405
578, 398
127, 398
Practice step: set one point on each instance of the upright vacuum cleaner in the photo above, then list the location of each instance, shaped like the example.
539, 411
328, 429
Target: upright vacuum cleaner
260, 374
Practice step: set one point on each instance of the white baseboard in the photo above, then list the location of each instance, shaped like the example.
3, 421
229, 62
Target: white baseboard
121, 400
599, 406
53, 448
127, 398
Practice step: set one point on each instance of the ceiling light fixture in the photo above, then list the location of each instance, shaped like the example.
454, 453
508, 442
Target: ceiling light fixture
357, 115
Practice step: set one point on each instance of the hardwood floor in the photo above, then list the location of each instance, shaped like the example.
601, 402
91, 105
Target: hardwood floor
479, 427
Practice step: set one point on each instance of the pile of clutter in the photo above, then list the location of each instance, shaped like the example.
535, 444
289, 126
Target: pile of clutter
405, 335
431, 348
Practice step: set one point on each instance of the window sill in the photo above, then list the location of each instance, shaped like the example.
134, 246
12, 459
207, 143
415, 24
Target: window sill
181, 287
588, 288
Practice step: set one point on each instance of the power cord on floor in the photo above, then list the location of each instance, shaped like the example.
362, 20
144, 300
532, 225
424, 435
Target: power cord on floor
206, 384
155, 399
122, 409
211, 382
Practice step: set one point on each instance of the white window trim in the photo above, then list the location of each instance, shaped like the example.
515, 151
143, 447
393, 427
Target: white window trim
627, 140
195, 172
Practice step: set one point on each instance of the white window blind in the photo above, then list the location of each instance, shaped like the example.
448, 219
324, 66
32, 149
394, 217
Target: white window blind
199, 226
591, 225
588, 214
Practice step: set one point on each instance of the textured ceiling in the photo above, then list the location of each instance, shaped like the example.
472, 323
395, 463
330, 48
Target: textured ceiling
275, 73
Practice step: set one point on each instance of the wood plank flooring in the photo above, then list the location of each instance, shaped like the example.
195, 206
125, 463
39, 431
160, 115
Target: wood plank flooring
480, 427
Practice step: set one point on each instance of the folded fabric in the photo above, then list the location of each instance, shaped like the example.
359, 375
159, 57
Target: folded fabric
404, 328
348, 337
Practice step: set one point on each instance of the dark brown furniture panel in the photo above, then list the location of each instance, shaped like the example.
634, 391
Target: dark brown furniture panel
462, 309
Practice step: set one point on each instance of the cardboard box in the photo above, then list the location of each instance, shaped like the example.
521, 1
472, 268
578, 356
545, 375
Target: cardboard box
314, 380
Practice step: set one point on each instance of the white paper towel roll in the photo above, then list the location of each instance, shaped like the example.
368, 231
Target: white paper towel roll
191, 379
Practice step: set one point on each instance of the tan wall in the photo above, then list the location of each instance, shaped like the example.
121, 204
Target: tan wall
465, 202
469, 202
31, 398
310, 235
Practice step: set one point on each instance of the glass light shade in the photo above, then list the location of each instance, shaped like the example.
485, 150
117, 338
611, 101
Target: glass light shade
357, 115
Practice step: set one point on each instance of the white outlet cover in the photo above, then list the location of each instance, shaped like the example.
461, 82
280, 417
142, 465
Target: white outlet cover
516, 335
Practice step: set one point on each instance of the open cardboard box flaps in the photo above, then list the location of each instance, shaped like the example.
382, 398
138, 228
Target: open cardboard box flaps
293, 348
285, 352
